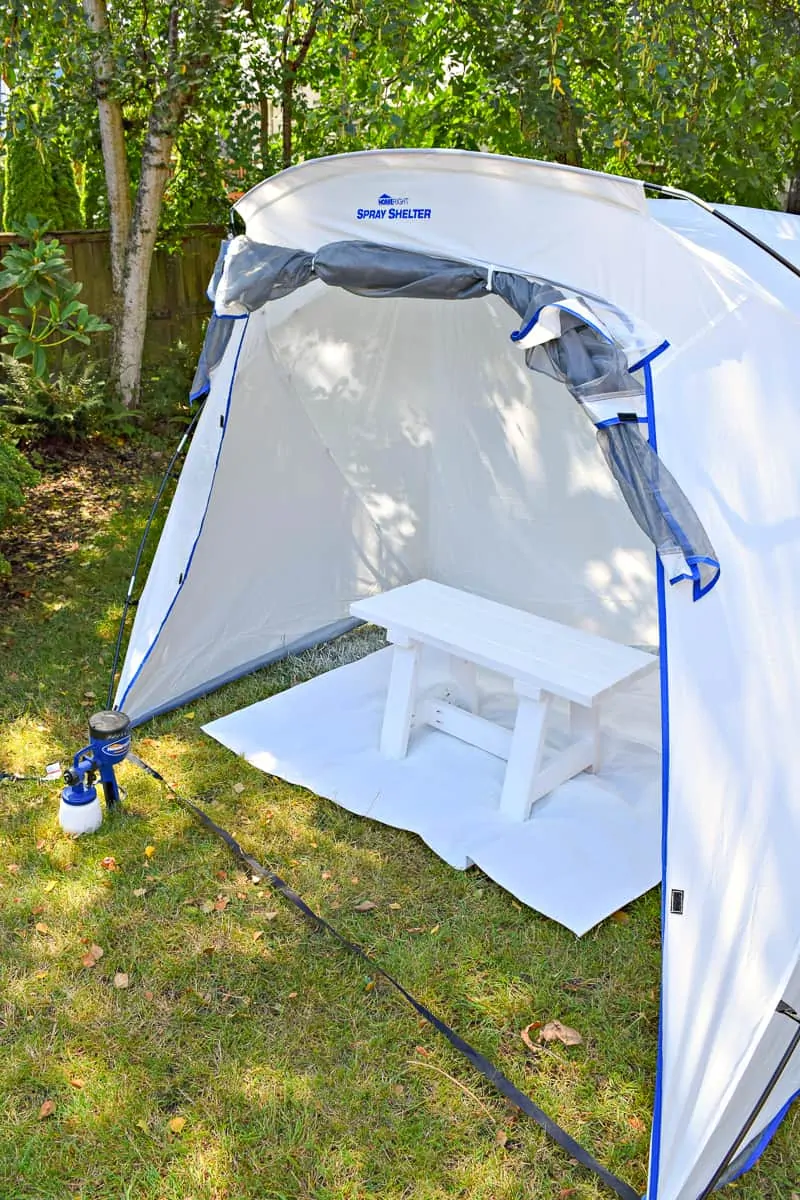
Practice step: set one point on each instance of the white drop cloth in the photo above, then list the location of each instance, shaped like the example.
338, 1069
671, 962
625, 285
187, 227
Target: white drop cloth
591, 846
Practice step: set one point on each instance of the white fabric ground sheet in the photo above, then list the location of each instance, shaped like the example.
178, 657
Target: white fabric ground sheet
589, 847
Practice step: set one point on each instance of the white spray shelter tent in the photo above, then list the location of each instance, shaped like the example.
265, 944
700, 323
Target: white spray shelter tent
361, 429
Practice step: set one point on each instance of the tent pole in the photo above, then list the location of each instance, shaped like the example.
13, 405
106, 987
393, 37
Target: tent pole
787, 1011
679, 194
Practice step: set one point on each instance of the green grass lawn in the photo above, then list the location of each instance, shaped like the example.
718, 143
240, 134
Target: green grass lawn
249, 1056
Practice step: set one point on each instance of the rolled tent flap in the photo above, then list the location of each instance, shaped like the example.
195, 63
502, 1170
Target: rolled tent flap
587, 344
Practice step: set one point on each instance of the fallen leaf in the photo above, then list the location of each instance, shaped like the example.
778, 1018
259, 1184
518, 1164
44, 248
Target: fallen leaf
89, 960
238, 788
636, 1123
178, 1124
221, 874
292, 996
207, 906
421, 1050
90, 695
48, 887
270, 916
37, 908
77, 1083
41, 927
416, 929
398, 1089
47, 1109
259, 933
145, 1128
241, 895
189, 716
394, 906
365, 906
221, 903
370, 987
326, 874
41, 974
139, 892
109, 863
554, 1031
525, 1034
121, 980
354, 879
567, 1192
96, 951
40, 845
621, 917
149, 851
501, 1137
435, 928
149, 995
13, 868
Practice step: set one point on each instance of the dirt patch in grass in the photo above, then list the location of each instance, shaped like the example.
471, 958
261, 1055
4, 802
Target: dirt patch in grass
81, 487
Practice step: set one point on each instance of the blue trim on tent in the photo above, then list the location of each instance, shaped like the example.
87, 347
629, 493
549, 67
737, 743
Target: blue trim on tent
618, 421
648, 358
230, 316
697, 588
518, 334
655, 1143
185, 575
318, 638
765, 1138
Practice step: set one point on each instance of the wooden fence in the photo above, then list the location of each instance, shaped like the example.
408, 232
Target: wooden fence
177, 303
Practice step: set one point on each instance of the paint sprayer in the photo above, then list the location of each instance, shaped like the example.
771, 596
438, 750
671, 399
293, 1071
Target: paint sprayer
109, 742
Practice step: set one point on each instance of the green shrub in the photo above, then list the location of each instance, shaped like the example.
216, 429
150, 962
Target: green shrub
29, 184
65, 189
16, 474
47, 313
71, 402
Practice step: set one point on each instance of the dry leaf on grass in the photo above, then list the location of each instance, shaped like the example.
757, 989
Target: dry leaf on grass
525, 1034
326, 874
121, 980
501, 1137
41, 927
221, 903
177, 1124
365, 906
13, 868
109, 863
259, 933
92, 956
621, 917
48, 887
47, 1109
77, 1083
554, 1031
270, 916
139, 892
238, 788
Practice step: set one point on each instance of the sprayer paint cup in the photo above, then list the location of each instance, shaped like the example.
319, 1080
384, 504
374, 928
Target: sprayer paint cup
80, 812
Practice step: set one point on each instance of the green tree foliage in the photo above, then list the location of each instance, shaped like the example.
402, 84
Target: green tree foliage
65, 191
29, 184
16, 475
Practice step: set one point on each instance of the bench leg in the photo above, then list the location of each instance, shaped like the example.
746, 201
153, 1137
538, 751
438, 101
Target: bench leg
399, 701
525, 756
585, 723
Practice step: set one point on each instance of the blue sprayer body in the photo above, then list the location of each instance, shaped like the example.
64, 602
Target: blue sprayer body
110, 741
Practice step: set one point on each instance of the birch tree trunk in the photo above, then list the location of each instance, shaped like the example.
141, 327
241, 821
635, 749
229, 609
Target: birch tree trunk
140, 244
133, 234
112, 136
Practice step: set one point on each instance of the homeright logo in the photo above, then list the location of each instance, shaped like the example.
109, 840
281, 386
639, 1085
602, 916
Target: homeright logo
393, 208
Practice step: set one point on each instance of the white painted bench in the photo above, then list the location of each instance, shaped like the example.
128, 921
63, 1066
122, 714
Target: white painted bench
542, 658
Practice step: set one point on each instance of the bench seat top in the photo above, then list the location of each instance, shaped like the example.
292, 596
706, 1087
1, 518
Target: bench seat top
532, 650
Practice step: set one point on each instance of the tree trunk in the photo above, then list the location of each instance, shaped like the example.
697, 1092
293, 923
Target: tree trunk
287, 114
793, 195
265, 120
141, 242
112, 136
